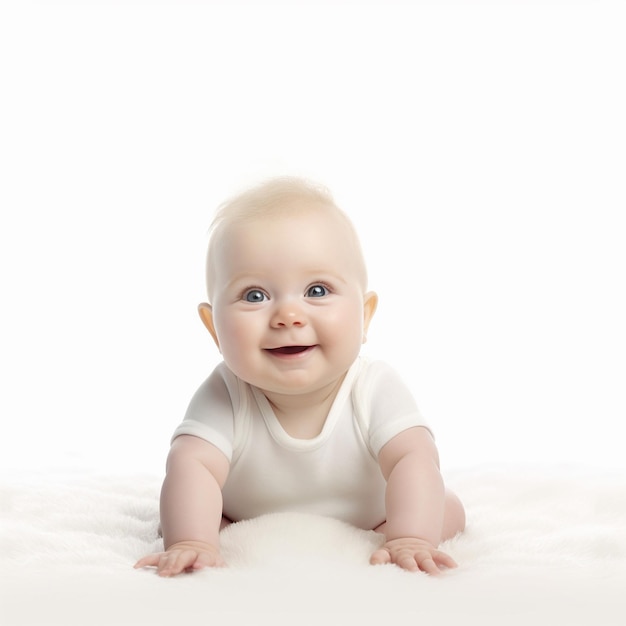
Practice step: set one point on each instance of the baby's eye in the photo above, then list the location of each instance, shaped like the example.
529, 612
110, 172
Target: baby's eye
317, 291
254, 295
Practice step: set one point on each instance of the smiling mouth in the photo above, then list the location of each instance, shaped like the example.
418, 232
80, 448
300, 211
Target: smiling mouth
289, 349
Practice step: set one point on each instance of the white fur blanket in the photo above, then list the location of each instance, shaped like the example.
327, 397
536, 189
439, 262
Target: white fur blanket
541, 547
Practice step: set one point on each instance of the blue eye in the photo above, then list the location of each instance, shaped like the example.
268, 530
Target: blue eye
317, 291
254, 295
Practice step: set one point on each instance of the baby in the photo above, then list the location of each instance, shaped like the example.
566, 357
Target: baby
294, 419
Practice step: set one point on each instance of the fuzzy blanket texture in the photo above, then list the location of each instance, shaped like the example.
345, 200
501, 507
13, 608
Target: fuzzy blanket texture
542, 546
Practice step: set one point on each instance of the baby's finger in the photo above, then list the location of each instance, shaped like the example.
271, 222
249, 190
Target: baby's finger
407, 562
428, 565
152, 560
441, 558
174, 563
380, 557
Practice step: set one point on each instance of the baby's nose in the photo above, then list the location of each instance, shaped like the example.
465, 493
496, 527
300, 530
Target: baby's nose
288, 314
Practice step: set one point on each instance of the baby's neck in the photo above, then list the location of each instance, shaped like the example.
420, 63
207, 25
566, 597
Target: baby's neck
304, 416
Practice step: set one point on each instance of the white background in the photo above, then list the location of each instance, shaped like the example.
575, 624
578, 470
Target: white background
480, 149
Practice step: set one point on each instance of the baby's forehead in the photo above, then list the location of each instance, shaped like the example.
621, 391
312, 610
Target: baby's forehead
238, 222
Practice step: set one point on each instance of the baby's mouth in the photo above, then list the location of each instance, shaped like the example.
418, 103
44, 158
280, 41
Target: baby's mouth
289, 349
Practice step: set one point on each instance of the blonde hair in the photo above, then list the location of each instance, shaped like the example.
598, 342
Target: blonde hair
273, 199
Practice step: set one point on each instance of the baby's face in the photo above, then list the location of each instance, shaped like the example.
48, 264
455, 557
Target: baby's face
288, 302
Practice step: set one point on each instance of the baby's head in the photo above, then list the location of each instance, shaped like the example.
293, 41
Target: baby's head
277, 198
287, 284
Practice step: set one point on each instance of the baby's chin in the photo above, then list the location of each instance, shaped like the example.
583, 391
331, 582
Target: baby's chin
309, 389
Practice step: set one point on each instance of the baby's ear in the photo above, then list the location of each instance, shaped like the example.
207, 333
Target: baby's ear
206, 315
370, 303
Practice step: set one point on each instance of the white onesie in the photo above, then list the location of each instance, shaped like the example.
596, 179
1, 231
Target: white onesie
334, 474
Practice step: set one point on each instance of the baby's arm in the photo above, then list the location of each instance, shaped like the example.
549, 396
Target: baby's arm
415, 503
191, 507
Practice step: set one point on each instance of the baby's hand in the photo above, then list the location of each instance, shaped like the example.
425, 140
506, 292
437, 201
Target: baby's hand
413, 554
183, 556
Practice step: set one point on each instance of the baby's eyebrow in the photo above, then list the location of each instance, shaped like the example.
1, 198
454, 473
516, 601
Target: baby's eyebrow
325, 273
261, 280
331, 279
237, 288
245, 277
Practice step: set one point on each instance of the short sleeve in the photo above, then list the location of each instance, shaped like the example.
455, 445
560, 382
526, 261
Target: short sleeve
210, 414
385, 405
